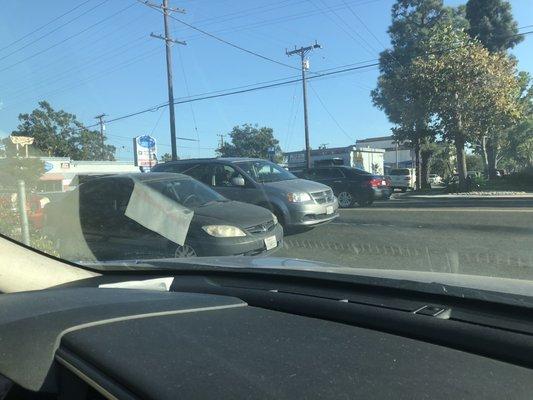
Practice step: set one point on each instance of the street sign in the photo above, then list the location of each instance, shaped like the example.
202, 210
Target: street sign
145, 151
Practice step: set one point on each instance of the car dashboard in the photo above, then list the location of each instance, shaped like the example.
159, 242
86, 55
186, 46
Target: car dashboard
214, 337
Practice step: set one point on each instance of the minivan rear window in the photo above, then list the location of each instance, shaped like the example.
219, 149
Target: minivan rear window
401, 171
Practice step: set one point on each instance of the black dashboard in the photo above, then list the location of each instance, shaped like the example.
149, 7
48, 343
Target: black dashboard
214, 337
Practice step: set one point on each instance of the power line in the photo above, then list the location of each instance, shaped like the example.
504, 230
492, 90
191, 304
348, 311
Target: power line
330, 114
67, 39
363, 42
226, 41
53, 30
352, 11
43, 26
234, 92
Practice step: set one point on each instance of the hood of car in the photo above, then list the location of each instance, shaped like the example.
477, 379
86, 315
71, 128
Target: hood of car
297, 185
232, 213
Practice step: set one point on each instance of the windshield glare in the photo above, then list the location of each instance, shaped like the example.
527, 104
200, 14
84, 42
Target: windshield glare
408, 122
264, 171
187, 192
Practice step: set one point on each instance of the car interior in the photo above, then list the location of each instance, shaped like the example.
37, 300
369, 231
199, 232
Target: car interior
248, 333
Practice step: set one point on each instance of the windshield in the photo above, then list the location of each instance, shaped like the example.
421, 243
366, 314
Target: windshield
265, 171
408, 122
187, 192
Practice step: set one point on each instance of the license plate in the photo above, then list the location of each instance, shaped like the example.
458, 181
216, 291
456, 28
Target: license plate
383, 183
329, 210
271, 242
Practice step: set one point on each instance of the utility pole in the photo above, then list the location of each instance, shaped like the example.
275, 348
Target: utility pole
221, 141
302, 52
101, 122
166, 10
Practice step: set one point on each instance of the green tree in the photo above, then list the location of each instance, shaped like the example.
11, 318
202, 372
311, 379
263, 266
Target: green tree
492, 23
398, 93
474, 162
468, 86
15, 168
60, 134
165, 158
250, 141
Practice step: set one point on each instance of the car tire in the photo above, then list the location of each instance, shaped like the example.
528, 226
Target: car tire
185, 251
345, 199
365, 203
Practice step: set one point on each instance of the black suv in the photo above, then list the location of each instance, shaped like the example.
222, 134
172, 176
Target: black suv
350, 185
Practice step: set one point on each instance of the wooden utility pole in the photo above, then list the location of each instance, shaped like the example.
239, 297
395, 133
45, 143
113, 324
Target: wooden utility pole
302, 52
166, 10
101, 122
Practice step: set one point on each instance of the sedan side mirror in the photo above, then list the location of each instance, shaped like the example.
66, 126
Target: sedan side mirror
238, 181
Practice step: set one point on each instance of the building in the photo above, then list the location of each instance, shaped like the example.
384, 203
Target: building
396, 154
61, 171
368, 159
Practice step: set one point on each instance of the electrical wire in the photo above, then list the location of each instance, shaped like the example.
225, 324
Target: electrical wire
44, 26
67, 39
330, 114
53, 30
254, 53
362, 22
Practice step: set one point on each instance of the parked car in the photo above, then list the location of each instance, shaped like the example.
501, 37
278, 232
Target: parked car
219, 227
402, 178
435, 179
350, 185
295, 202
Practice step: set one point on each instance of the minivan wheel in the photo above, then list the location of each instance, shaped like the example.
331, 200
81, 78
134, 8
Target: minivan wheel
185, 251
345, 199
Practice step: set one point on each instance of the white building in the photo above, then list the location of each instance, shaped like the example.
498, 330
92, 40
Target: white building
368, 159
399, 154
60, 171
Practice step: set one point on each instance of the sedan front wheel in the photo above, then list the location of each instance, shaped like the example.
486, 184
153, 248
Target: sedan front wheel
185, 251
345, 199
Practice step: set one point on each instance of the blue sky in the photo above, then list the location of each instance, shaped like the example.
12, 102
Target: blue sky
88, 65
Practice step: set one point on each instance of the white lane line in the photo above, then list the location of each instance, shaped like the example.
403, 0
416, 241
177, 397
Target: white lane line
519, 210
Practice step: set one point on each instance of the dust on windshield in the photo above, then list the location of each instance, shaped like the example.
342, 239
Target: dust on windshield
409, 122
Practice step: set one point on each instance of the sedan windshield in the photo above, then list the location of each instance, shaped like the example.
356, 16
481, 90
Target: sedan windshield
264, 171
188, 192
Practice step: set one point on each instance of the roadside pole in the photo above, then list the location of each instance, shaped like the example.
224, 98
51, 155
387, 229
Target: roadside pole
302, 52
23, 214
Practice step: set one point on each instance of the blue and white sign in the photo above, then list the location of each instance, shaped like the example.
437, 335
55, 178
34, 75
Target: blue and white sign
145, 151
48, 166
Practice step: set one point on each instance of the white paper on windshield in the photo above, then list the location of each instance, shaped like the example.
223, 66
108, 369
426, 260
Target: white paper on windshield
159, 284
158, 213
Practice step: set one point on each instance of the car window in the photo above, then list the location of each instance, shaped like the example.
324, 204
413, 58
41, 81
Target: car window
265, 171
403, 171
223, 175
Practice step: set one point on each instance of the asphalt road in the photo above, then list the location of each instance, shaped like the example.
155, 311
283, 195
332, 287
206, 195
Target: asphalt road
492, 237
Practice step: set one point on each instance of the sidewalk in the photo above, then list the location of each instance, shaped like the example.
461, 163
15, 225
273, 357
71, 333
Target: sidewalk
440, 194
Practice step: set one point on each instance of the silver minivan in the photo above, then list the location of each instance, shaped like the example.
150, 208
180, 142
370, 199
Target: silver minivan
295, 202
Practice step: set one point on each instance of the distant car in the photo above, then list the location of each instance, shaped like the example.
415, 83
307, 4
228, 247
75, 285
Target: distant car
219, 227
350, 185
474, 174
296, 202
402, 178
435, 179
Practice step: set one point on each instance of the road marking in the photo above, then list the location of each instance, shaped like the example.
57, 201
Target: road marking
521, 210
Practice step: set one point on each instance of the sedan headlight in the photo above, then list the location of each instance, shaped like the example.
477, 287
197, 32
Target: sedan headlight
275, 219
298, 197
223, 231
